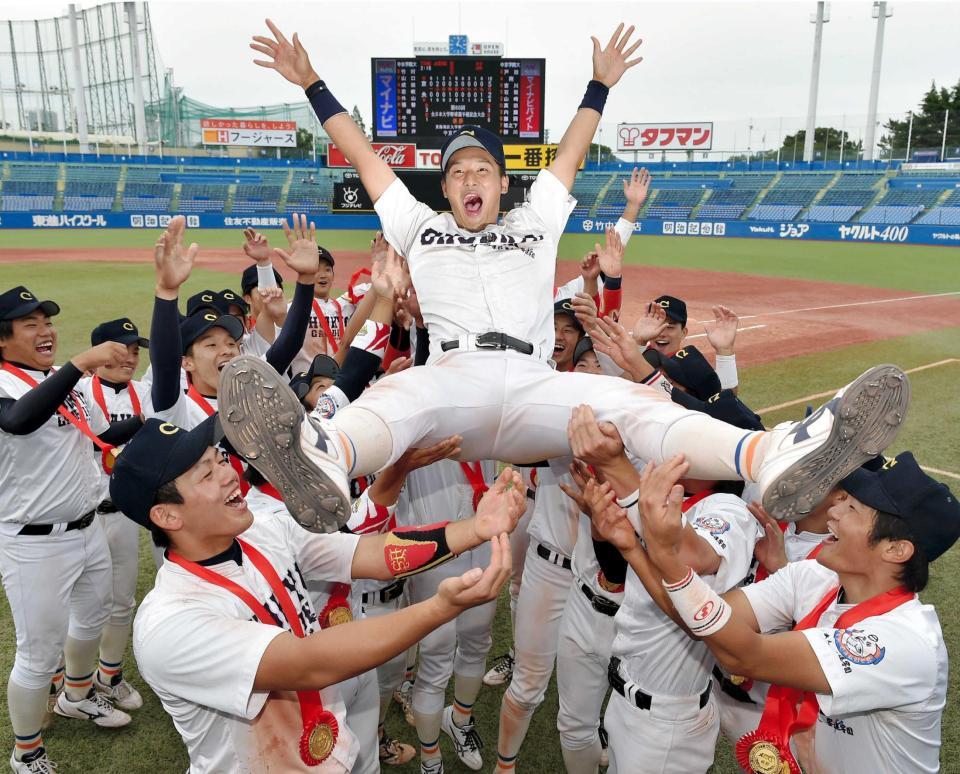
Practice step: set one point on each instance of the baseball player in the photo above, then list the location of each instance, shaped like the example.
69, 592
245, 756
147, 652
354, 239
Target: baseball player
228, 639
857, 661
54, 559
113, 392
662, 717
490, 349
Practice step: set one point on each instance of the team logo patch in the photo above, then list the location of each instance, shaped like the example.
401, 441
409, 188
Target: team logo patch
326, 406
858, 647
712, 524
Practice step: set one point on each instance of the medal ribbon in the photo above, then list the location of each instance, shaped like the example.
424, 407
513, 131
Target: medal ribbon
312, 713
334, 341
107, 455
474, 474
354, 279
235, 462
102, 403
789, 710
692, 500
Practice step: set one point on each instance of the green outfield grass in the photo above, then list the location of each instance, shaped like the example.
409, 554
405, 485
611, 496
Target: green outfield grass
90, 293
906, 267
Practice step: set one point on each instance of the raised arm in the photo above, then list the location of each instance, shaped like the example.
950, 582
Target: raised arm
609, 64
290, 59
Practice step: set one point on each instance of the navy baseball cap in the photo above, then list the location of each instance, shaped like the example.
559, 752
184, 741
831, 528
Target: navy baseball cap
584, 346
121, 330
902, 489
19, 302
723, 405
564, 306
248, 280
195, 325
156, 455
326, 255
322, 366
675, 308
207, 298
472, 137
231, 298
688, 368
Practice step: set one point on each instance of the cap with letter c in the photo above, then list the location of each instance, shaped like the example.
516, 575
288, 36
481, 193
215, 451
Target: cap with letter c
470, 136
19, 302
121, 330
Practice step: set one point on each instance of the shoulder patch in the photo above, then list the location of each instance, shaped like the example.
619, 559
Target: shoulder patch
715, 525
858, 647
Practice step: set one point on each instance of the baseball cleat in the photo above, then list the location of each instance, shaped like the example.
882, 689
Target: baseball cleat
466, 740
119, 691
431, 767
34, 762
404, 697
501, 672
394, 752
93, 706
301, 455
806, 459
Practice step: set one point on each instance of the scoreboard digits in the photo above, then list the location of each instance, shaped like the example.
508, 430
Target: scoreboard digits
432, 97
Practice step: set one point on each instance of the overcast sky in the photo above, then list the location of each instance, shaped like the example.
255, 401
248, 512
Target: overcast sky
706, 61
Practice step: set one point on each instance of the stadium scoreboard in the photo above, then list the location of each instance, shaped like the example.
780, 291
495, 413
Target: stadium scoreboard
432, 97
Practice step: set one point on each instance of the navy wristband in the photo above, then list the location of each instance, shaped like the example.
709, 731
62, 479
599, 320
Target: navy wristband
595, 97
324, 104
612, 283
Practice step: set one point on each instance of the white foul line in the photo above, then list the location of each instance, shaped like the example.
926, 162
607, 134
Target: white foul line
816, 396
938, 472
844, 306
739, 331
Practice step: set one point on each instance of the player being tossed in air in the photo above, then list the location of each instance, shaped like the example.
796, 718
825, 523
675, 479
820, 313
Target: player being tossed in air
485, 290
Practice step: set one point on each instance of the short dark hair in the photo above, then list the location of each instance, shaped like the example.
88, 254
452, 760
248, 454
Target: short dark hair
167, 494
915, 572
6, 331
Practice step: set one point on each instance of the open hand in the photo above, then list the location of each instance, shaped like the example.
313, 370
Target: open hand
256, 247
590, 266
172, 262
610, 255
585, 310
769, 549
477, 586
723, 334
288, 59
274, 304
596, 443
412, 459
304, 257
636, 188
651, 324
661, 496
611, 339
390, 276
609, 519
501, 506
610, 63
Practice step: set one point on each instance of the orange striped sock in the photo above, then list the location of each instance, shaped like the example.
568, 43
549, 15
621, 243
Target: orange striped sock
508, 763
77, 688
23, 745
431, 751
56, 682
463, 710
108, 671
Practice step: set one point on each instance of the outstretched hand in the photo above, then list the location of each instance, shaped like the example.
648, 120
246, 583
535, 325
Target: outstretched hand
390, 276
172, 262
661, 496
288, 59
501, 506
636, 188
412, 458
256, 247
610, 338
611, 62
651, 324
596, 443
769, 549
478, 585
304, 257
723, 334
609, 520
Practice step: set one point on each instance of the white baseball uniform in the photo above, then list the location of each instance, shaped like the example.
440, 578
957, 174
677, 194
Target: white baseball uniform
676, 734
740, 714
583, 653
57, 584
335, 314
441, 492
199, 648
544, 589
123, 534
887, 674
513, 406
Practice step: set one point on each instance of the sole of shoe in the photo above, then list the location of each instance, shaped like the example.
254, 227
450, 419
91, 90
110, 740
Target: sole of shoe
261, 418
868, 417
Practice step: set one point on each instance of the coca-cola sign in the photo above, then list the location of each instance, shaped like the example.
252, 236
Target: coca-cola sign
398, 155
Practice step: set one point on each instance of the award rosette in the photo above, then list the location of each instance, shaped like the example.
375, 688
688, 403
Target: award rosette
319, 738
760, 753
337, 610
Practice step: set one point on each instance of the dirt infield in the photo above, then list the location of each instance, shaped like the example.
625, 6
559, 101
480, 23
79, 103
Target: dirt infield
780, 318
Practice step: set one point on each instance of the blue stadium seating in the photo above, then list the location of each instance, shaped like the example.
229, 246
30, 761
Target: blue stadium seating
895, 215
256, 198
941, 216
88, 196
150, 197
774, 212
721, 211
661, 211
831, 213
202, 197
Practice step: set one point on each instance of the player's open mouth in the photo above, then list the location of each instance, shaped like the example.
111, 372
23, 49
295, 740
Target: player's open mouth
662, 342
46, 348
558, 348
235, 500
473, 203
833, 533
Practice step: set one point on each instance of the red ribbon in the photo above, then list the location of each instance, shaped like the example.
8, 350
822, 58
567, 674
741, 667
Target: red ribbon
474, 476
78, 420
692, 500
789, 710
312, 713
334, 340
351, 292
235, 462
102, 403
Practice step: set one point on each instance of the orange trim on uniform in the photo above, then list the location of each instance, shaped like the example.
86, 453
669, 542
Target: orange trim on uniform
751, 449
38, 742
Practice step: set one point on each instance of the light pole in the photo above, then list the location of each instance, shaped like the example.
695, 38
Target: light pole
880, 13
821, 18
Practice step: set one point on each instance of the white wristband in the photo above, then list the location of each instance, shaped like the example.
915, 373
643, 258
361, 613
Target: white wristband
265, 278
727, 371
631, 504
701, 608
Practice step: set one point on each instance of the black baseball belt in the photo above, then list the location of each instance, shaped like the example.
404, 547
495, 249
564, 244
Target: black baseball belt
386, 594
734, 691
553, 557
107, 506
632, 692
47, 529
597, 602
495, 341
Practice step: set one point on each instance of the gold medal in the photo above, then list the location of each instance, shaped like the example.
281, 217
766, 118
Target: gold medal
339, 615
321, 741
738, 679
765, 758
